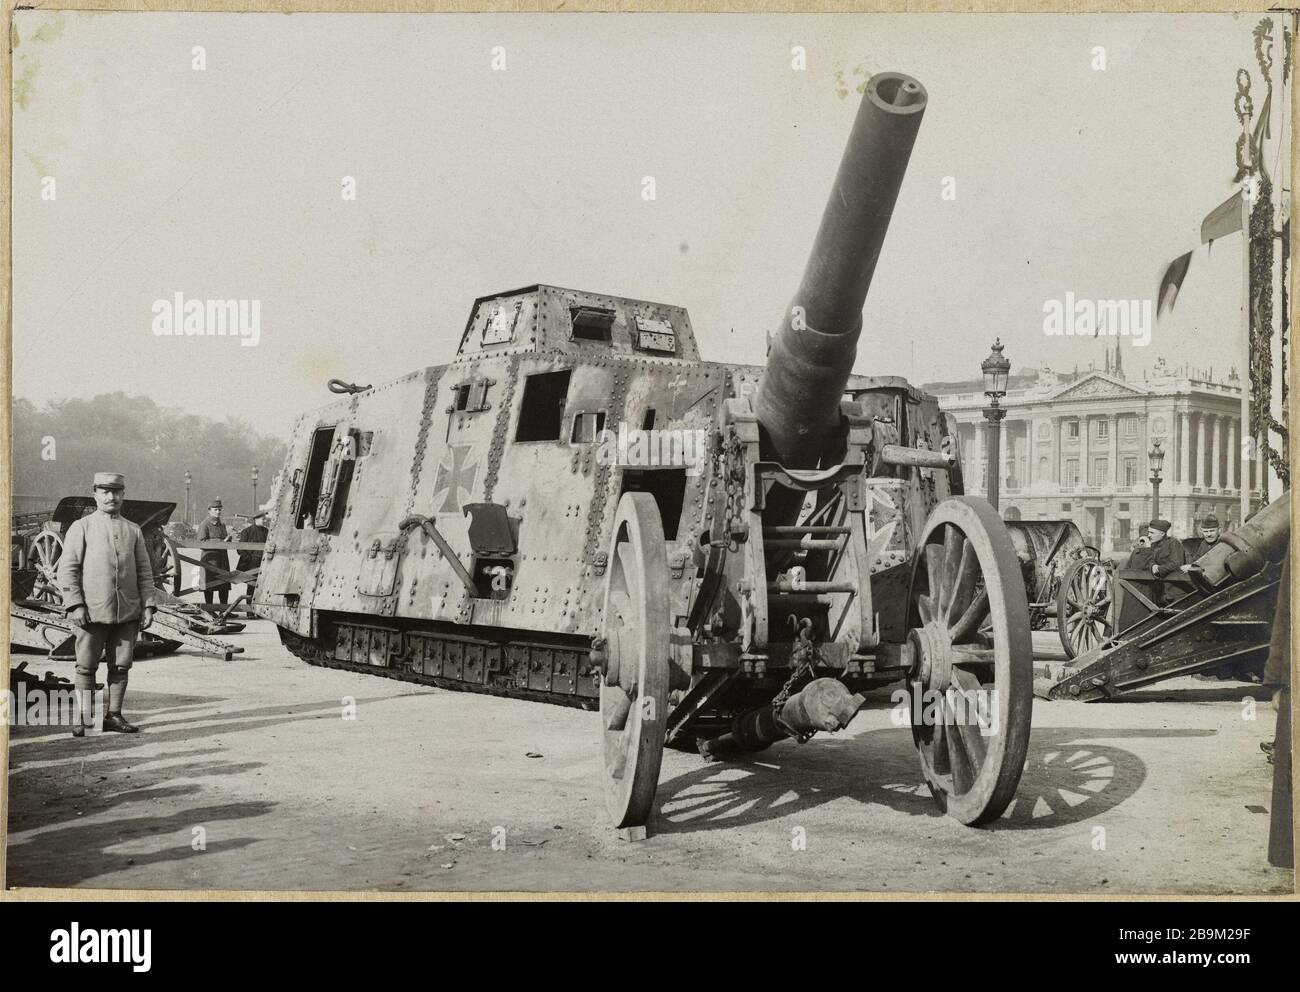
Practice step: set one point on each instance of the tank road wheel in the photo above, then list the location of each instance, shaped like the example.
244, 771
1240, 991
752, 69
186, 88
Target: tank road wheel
634, 687
46, 548
1083, 606
972, 660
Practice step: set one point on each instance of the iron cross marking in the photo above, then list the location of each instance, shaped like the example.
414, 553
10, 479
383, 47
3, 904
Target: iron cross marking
455, 479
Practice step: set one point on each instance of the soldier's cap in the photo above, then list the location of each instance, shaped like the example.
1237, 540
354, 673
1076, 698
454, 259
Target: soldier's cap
215, 503
1209, 522
109, 480
1164, 526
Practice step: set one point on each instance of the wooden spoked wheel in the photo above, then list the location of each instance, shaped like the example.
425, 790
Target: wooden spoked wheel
634, 686
972, 660
163, 562
1083, 606
46, 548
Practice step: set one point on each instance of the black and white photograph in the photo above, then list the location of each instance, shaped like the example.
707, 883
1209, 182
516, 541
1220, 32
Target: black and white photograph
650, 453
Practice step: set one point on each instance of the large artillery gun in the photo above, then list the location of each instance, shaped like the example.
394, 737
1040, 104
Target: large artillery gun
579, 510
1216, 617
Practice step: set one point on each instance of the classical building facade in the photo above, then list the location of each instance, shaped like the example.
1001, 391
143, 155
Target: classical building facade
1076, 448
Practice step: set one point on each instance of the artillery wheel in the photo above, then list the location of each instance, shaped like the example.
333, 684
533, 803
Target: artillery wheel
47, 546
163, 563
972, 660
634, 684
1083, 606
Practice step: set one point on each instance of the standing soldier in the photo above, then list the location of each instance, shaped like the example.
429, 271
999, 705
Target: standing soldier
107, 585
255, 531
212, 529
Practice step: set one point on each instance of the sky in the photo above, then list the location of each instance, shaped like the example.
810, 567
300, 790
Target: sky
225, 183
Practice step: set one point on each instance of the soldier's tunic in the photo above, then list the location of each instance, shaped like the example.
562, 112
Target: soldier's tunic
209, 531
1168, 556
105, 567
1201, 549
251, 559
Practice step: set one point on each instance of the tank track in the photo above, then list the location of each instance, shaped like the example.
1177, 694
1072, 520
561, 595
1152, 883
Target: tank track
316, 654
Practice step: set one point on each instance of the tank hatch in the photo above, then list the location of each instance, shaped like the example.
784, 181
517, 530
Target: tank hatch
548, 318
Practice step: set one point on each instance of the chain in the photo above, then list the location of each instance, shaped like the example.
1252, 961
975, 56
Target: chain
729, 470
803, 658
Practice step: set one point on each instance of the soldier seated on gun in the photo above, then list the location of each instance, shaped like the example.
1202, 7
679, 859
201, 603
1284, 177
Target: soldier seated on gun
1161, 556
107, 584
1209, 538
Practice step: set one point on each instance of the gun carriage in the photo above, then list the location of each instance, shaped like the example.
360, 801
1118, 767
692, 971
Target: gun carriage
577, 509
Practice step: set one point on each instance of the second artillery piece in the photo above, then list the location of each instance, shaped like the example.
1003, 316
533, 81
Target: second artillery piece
578, 509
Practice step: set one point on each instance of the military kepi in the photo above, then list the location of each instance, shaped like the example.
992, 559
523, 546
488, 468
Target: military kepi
1209, 522
1164, 526
109, 480
215, 505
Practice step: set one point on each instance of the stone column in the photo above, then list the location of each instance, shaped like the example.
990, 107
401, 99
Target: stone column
1185, 449
1084, 474
1056, 450
1217, 454
1234, 453
1199, 478
1114, 451
1031, 439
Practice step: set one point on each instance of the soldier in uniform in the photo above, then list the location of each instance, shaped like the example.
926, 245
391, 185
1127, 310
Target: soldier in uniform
1209, 538
213, 529
1162, 556
108, 596
255, 531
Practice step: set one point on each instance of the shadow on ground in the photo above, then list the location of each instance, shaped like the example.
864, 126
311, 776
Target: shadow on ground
1068, 778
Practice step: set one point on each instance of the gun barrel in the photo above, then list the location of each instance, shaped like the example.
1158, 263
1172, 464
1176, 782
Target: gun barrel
812, 354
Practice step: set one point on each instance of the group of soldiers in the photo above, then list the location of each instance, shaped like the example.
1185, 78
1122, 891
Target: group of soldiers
213, 528
1163, 555
109, 596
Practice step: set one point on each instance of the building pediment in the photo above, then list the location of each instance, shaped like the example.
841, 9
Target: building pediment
1097, 385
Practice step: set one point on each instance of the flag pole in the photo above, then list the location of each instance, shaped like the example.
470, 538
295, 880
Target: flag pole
1246, 448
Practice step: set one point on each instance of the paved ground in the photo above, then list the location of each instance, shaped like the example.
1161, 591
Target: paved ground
247, 776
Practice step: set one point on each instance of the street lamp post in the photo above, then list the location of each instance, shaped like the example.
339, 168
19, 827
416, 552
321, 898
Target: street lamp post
188, 479
996, 368
1157, 458
254, 489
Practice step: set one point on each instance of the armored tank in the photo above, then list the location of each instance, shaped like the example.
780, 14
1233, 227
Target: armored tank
580, 510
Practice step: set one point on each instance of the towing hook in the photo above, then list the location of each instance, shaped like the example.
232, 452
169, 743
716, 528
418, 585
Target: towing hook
339, 386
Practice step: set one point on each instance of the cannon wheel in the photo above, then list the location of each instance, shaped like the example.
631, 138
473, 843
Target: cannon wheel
634, 688
1083, 606
46, 548
972, 660
163, 562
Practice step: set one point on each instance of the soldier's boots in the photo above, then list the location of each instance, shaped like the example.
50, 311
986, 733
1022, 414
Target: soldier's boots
116, 723
113, 722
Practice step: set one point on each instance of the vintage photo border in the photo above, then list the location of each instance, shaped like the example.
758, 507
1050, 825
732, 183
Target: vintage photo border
934, 7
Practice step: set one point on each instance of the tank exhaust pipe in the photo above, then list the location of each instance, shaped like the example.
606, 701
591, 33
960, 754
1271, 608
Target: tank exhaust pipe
798, 397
